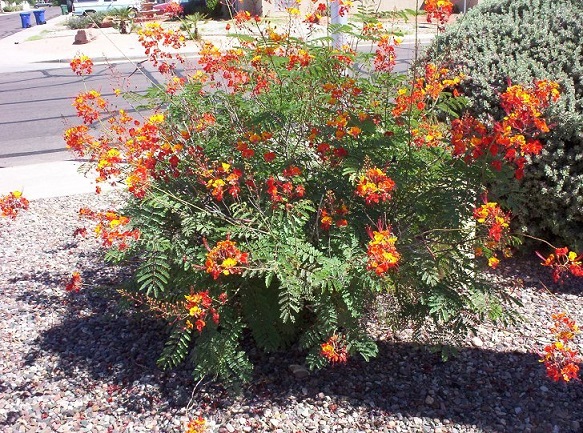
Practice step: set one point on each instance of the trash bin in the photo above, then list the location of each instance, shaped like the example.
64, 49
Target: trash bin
64, 10
39, 16
25, 19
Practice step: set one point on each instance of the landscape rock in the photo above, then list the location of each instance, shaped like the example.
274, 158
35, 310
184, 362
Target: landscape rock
84, 36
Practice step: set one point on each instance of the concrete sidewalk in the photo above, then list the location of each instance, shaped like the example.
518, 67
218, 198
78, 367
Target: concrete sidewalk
51, 46
50, 179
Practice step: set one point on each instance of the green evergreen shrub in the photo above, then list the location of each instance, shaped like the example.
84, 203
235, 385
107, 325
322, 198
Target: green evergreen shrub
502, 41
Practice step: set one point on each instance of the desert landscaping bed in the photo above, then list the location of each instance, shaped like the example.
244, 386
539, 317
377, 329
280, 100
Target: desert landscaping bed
75, 363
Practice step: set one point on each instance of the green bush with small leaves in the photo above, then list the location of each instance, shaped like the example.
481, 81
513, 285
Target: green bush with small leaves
86, 21
515, 41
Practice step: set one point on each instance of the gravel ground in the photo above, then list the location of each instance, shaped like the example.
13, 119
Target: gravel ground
75, 363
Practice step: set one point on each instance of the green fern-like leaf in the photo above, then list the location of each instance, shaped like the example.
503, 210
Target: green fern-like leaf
261, 313
176, 348
218, 354
153, 274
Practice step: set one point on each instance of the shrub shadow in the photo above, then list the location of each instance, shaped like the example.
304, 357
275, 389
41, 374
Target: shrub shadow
495, 391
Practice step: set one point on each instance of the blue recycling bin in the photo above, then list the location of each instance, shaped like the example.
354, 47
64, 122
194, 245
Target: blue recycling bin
25, 19
39, 16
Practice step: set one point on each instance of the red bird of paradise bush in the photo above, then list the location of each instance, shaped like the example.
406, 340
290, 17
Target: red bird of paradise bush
282, 178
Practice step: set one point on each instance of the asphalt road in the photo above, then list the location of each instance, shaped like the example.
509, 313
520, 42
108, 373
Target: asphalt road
35, 108
10, 23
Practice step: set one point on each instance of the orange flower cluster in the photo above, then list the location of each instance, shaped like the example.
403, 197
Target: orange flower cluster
434, 81
224, 68
201, 123
332, 154
242, 17
263, 74
340, 122
563, 261
438, 10
79, 140
12, 203
197, 425
283, 190
427, 135
345, 56
385, 57
333, 214
145, 150
560, 360
515, 136
334, 350
253, 139
225, 258
299, 57
199, 305
381, 251
494, 218
173, 9
524, 106
344, 7
222, 178
340, 94
151, 36
89, 106
375, 186
126, 146
326, 151
174, 84
497, 222
373, 28
316, 15
75, 283
469, 137
82, 65
109, 228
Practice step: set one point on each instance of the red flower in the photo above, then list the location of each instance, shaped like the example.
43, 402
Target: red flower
375, 186
225, 258
334, 350
292, 171
439, 10
12, 203
89, 106
385, 57
199, 305
494, 218
560, 360
563, 261
111, 228
197, 425
75, 283
269, 156
561, 251
381, 251
82, 65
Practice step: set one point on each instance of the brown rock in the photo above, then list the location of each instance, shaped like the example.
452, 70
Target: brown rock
84, 36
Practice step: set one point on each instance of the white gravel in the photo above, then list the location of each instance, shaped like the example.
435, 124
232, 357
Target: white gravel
76, 363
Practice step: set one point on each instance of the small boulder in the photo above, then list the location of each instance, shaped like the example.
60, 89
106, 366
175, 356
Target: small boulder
299, 371
84, 36
107, 22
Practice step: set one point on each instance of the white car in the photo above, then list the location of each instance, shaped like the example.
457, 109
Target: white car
83, 7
